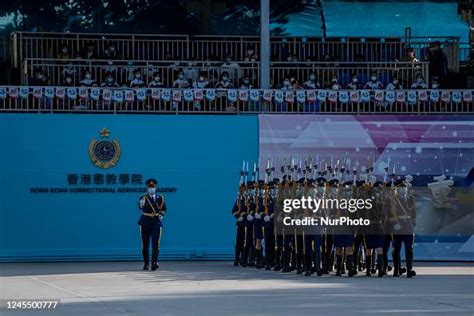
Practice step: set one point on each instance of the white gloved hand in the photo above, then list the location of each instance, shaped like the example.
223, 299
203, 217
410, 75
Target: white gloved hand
240, 219
142, 202
249, 218
257, 216
160, 217
266, 218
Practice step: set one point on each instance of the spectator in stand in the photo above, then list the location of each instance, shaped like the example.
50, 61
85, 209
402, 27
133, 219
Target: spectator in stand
137, 81
231, 67
64, 54
334, 84
411, 58
435, 83
181, 82
202, 82
296, 85
438, 62
286, 84
373, 83
88, 81
394, 85
90, 51
110, 82
311, 83
354, 84
191, 71
109, 68
111, 52
68, 82
129, 71
69, 70
156, 82
246, 83
419, 82
290, 58
251, 55
225, 82
38, 79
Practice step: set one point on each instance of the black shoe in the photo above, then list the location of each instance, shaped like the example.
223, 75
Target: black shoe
373, 271
277, 268
299, 271
389, 268
380, 273
410, 273
351, 273
367, 272
236, 263
145, 266
396, 273
338, 273
319, 272
307, 273
403, 270
286, 270
155, 266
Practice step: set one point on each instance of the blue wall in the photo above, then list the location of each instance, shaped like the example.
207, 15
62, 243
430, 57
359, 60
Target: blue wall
199, 155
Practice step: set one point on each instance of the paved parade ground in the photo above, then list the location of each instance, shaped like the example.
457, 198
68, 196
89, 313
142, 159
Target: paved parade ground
218, 288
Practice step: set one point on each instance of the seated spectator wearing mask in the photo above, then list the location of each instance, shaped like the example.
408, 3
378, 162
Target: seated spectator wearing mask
111, 52
251, 55
181, 82
90, 51
156, 82
38, 79
246, 83
334, 84
225, 82
88, 81
202, 82
110, 82
137, 82
68, 82
354, 84
64, 54
286, 84
394, 85
435, 83
311, 83
419, 82
191, 72
231, 67
373, 83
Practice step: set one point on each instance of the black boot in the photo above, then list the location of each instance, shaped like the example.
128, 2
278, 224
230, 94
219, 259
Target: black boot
237, 256
308, 269
278, 259
259, 258
154, 261
146, 258
338, 265
350, 266
368, 259
286, 261
396, 267
381, 272
411, 273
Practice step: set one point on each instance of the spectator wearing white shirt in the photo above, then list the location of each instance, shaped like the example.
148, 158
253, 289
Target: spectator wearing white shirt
311, 83
419, 82
137, 81
394, 85
88, 81
373, 83
181, 82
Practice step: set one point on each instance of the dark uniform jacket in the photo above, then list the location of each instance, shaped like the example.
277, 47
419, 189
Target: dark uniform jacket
154, 206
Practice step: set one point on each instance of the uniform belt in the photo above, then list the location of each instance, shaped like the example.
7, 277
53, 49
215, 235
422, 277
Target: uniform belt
150, 214
404, 217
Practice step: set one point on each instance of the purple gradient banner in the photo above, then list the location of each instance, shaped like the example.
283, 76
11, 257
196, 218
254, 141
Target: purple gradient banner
437, 150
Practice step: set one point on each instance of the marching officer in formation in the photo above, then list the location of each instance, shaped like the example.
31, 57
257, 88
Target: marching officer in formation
263, 241
153, 209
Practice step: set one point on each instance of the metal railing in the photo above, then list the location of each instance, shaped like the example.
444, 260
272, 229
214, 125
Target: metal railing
218, 101
123, 71
160, 47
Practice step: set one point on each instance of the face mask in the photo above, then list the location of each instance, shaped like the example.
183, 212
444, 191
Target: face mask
138, 76
109, 62
374, 78
65, 50
419, 80
435, 86
181, 76
88, 76
225, 78
312, 77
355, 80
250, 52
335, 87
246, 81
39, 76
110, 79
190, 64
68, 80
334, 80
227, 60
395, 82
112, 48
286, 83
157, 79
151, 191
289, 59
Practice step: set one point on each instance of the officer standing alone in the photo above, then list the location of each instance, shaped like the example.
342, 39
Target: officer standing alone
153, 208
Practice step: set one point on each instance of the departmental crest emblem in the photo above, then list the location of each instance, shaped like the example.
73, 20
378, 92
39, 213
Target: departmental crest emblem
104, 153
